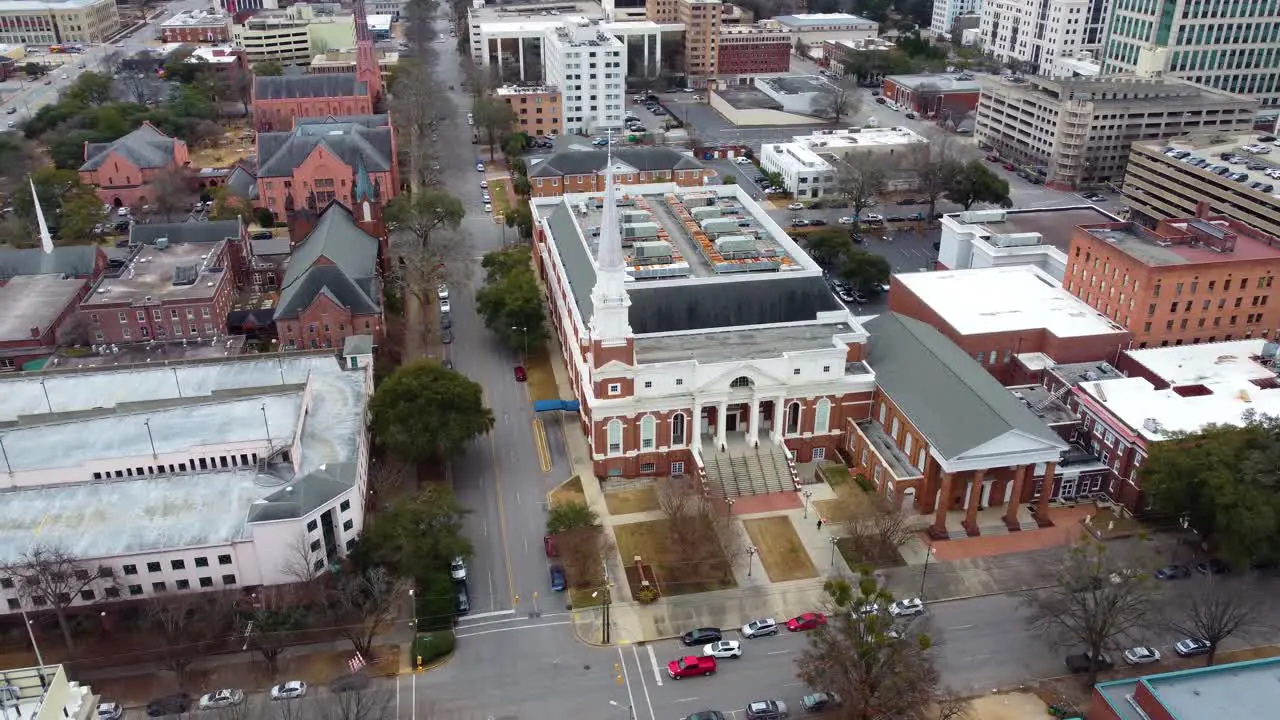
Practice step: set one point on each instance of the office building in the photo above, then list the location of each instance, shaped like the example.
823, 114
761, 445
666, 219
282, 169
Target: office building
1205, 174
293, 35
701, 20
751, 50
945, 13
537, 108
1001, 238
816, 28
933, 94
197, 26
44, 692
589, 66
1078, 131
1184, 282
1234, 48
1033, 36
51, 22
810, 164
583, 171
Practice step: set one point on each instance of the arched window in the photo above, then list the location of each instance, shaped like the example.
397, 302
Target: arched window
881, 414
648, 430
793, 418
614, 433
822, 418
740, 382
677, 430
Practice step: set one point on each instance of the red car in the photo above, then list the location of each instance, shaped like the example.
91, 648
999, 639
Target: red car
521, 375
691, 665
1008, 166
549, 544
807, 621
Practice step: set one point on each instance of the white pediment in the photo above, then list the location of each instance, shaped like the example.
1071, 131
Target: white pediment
721, 382
619, 168
1013, 442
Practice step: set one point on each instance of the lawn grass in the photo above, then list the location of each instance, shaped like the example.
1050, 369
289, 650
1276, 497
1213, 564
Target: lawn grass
580, 598
676, 575
622, 502
1107, 525
836, 474
541, 379
569, 491
781, 552
501, 201
850, 501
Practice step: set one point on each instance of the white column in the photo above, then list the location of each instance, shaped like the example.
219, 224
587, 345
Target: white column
695, 423
779, 415
657, 46
721, 425
645, 38
753, 429
520, 53
499, 60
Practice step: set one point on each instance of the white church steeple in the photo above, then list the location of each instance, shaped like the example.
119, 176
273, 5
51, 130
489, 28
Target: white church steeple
610, 321
46, 240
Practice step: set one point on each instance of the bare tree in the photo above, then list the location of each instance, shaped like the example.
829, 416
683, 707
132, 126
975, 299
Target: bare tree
75, 331
934, 167
52, 577
582, 550
270, 631
299, 560
185, 624
419, 107
422, 267
391, 473
371, 703
840, 99
239, 86
700, 526
365, 604
877, 528
1213, 612
1093, 597
860, 184
136, 87
170, 192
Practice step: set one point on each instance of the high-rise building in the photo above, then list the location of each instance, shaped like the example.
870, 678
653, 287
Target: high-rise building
946, 11
1229, 46
589, 66
701, 19
1034, 34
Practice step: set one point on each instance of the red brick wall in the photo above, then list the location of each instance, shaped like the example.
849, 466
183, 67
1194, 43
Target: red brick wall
759, 57
279, 114
553, 187
325, 324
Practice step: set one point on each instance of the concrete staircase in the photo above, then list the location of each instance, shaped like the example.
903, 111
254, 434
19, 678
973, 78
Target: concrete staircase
743, 470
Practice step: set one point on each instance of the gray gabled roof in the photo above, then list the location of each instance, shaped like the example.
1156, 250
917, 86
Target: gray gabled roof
585, 162
191, 231
146, 147
305, 494
75, 260
280, 153
242, 183
349, 277
369, 121
326, 85
947, 395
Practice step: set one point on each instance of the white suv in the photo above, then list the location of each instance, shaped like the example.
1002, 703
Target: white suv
760, 627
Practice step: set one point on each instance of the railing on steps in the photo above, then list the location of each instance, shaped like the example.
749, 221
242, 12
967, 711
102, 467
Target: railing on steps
791, 465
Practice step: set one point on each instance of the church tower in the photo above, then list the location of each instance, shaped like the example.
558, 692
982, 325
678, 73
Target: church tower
366, 208
611, 336
367, 69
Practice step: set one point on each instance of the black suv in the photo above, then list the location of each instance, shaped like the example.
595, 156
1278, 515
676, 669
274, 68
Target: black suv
701, 636
169, 705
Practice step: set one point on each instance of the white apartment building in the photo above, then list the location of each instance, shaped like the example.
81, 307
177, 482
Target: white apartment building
51, 22
945, 12
589, 66
1035, 34
186, 476
816, 28
1234, 47
1078, 131
810, 164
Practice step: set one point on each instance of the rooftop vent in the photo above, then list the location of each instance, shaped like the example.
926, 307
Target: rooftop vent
186, 274
162, 243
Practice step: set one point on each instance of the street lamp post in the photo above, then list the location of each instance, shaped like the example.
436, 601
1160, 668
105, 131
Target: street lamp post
833, 541
31, 634
806, 494
631, 711
524, 333
751, 556
925, 573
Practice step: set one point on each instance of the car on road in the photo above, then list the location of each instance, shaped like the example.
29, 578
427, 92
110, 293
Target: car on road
1141, 655
760, 627
907, 201
691, 665
1173, 572
701, 636
486, 197
479, 167
799, 222
818, 702
219, 699
742, 160
458, 568
1190, 647
549, 546
873, 218
1080, 662
109, 711
806, 621
462, 600
907, 607
442, 291
1213, 566
521, 375
349, 683
444, 305
723, 649
817, 222
12, 110
488, 208
557, 578
706, 715
291, 690
881, 101
176, 704
484, 184
846, 220
766, 710
795, 206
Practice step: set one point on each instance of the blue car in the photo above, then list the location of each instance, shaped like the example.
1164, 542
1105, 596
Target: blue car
557, 578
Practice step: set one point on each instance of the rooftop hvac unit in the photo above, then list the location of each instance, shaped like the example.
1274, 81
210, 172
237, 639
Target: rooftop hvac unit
652, 250
631, 217
704, 212
719, 226
640, 230
735, 244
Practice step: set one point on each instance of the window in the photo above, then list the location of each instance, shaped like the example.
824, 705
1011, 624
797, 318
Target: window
202, 562
224, 559
614, 439
677, 429
158, 587
906, 444
894, 427
882, 413
228, 579
206, 582
647, 431
345, 506
183, 584
135, 589
920, 459
615, 388
153, 567
822, 418
315, 545
348, 525
130, 569
677, 468
311, 526
740, 382
648, 384
646, 468
821, 454
87, 595
793, 418
14, 604
178, 564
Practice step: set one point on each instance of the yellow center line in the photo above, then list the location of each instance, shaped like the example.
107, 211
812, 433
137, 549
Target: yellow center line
502, 519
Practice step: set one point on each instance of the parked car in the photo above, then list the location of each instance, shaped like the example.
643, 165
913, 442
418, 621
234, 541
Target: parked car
458, 568
291, 690
1080, 663
691, 665
557, 578
442, 291
1190, 647
444, 305
349, 683
1141, 655
907, 607
549, 546
806, 621
723, 649
706, 715
462, 601
176, 704
818, 222
795, 206
479, 167
760, 627
520, 373
701, 636
1173, 572
218, 699
767, 710
742, 160
1213, 566
818, 702
846, 220
109, 711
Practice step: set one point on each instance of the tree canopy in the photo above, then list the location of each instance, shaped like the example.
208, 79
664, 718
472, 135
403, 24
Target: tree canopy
1223, 481
829, 245
864, 269
425, 411
974, 182
71, 208
425, 212
495, 118
511, 301
420, 533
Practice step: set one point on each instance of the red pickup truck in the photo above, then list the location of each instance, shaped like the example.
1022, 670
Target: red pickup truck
691, 665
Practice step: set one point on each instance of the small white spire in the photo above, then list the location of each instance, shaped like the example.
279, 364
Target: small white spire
610, 318
46, 240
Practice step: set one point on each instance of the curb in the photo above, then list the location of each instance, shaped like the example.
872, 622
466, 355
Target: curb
437, 663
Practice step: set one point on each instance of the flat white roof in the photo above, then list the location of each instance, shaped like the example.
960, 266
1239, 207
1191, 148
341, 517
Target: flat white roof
9, 6
860, 137
1209, 383
1005, 299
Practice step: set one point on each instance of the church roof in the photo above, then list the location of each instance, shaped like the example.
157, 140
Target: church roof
280, 153
586, 162
337, 259
326, 85
74, 260
146, 147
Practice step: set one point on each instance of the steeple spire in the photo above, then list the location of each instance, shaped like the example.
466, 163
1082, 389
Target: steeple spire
610, 321
367, 69
46, 240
